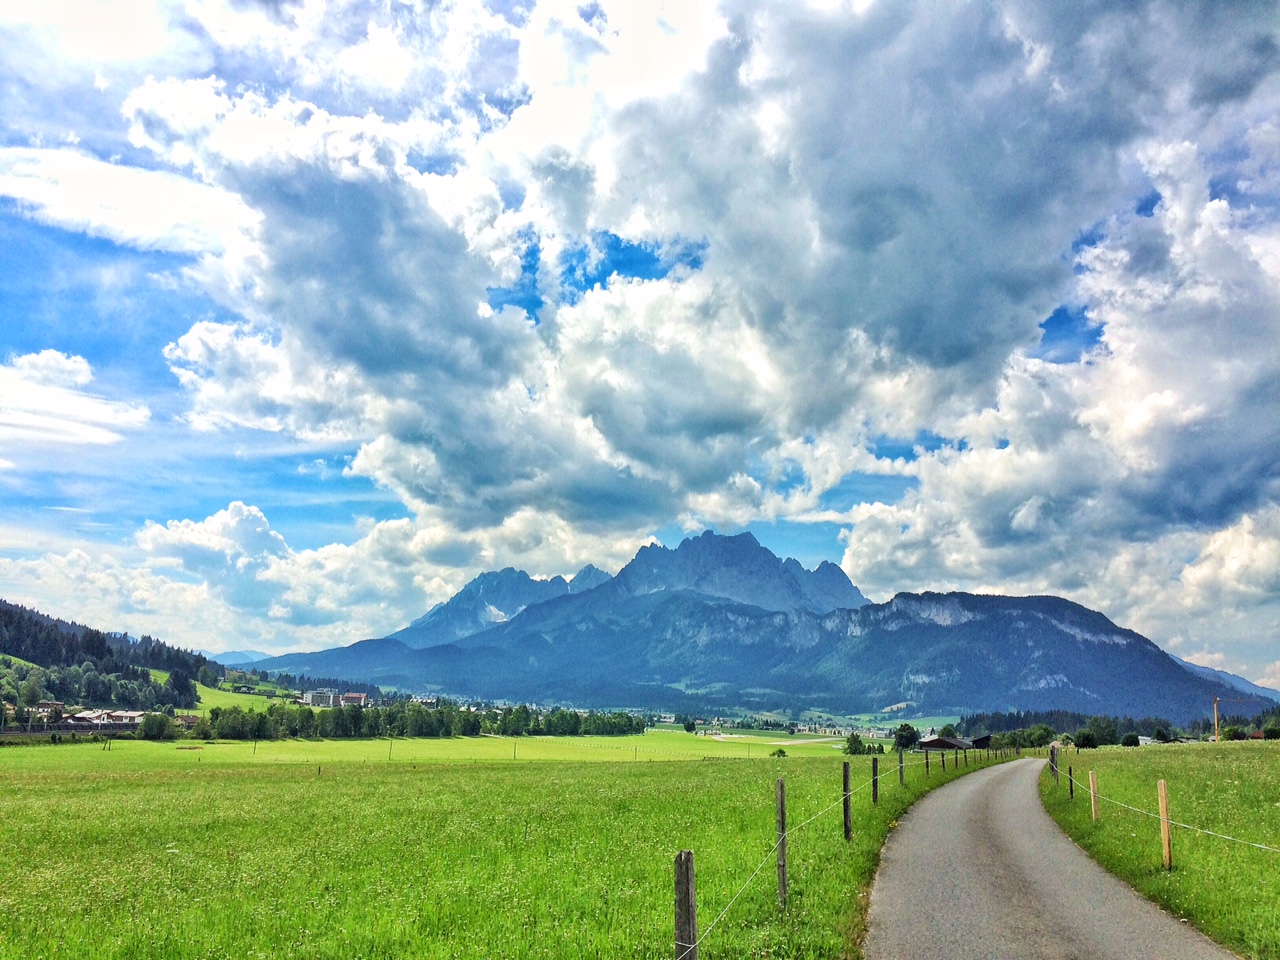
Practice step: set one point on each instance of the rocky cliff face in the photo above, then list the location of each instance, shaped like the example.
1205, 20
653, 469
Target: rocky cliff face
738, 568
489, 599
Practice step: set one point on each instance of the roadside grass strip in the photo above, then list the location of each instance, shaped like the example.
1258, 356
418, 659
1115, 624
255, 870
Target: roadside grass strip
1224, 812
161, 851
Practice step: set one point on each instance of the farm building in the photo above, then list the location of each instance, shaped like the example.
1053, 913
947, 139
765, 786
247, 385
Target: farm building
936, 742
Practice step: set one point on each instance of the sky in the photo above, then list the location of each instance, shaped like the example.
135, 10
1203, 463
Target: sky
311, 311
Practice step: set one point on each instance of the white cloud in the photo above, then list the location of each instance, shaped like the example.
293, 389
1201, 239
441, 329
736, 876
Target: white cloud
1204, 658
231, 581
52, 369
1142, 481
1270, 677
100, 31
144, 209
40, 403
240, 378
379, 57
148, 209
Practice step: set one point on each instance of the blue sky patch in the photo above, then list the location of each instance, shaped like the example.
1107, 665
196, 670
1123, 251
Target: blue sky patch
580, 270
302, 493
857, 488
1146, 207
1067, 336
1091, 237
89, 297
524, 294
895, 448
440, 164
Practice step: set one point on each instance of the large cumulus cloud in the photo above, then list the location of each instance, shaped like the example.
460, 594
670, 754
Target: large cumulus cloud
856, 219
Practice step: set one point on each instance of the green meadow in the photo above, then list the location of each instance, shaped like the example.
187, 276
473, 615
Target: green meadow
211, 697
432, 848
1229, 890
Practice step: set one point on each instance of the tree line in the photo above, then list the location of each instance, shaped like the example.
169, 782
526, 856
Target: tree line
49, 642
1040, 728
402, 719
1027, 728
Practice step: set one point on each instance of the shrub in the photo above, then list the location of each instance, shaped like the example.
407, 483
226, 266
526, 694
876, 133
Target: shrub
778, 753
1129, 740
1271, 732
1234, 733
690, 726
157, 726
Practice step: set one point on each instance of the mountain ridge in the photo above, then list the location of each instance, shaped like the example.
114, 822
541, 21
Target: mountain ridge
770, 639
736, 567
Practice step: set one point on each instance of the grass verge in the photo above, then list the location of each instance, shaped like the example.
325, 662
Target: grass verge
1228, 890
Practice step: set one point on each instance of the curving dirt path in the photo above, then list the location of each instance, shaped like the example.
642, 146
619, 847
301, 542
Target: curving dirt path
978, 869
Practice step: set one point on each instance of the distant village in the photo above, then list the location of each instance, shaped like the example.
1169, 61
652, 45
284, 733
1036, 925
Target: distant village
53, 715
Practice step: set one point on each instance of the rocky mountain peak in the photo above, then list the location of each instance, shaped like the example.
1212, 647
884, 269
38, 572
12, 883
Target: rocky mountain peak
739, 568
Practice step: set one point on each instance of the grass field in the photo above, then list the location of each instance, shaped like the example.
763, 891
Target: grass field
1229, 890
448, 849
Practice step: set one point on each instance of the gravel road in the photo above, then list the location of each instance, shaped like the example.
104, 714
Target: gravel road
977, 869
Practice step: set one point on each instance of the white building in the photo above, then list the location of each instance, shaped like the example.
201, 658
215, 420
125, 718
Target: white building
324, 697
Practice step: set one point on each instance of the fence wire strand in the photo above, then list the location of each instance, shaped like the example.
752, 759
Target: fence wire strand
1175, 823
773, 851
760, 866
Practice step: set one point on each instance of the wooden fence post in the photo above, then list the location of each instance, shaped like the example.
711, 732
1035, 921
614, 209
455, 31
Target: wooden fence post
926, 764
943, 755
966, 758
848, 815
1071, 784
686, 908
1053, 762
782, 842
902, 773
875, 780
1165, 839
1093, 792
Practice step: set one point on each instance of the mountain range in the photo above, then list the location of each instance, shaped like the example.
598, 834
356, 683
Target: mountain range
721, 622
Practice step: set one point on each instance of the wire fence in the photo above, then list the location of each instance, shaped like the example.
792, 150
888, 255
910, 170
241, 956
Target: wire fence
1172, 822
760, 866
690, 948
